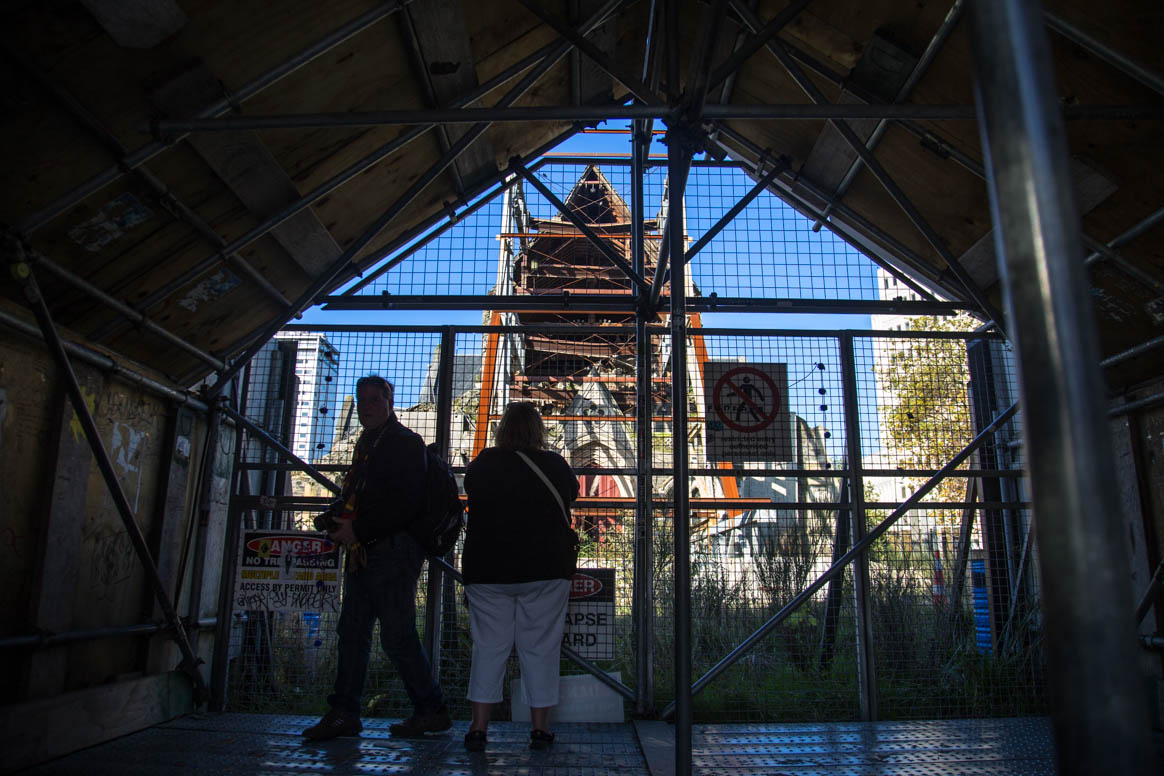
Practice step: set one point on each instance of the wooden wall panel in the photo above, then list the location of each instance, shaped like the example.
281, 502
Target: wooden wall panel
27, 420
60, 532
34, 732
111, 581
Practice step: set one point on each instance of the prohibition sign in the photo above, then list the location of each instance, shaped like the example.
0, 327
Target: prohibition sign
761, 402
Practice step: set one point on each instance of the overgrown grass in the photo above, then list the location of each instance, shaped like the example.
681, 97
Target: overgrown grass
925, 660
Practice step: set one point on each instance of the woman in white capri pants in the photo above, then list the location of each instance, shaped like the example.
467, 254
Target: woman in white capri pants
517, 563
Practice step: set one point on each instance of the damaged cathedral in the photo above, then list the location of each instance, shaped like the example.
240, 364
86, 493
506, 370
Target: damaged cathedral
579, 367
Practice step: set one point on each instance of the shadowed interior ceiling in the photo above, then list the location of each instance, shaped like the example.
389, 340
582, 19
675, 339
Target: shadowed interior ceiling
210, 238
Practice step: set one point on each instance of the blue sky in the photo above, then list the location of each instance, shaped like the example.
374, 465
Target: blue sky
769, 251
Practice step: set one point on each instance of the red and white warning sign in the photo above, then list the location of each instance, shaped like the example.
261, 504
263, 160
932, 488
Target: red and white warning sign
747, 412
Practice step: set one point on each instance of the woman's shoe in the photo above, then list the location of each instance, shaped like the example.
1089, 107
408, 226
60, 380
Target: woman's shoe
540, 739
475, 740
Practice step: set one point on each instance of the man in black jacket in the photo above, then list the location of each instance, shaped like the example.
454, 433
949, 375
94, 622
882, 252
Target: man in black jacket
381, 495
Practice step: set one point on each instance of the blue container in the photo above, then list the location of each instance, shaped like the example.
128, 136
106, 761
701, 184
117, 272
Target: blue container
312, 620
982, 636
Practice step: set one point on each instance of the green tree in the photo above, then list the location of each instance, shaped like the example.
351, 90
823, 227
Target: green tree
926, 407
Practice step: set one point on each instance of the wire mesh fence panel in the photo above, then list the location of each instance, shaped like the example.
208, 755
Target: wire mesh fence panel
286, 660
921, 401
765, 428
518, 241
953, 596
458, 257
768, 250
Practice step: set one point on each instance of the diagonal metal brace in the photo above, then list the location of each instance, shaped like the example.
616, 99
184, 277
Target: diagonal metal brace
728, 217
611, 255
265, 437
23, 273
875, 167
874, 534
636, 87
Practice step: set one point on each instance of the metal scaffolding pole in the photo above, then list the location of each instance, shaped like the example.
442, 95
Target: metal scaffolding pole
633, 84
1114, 58
758, 40
624, 304
452, 220
680, 148
230, 550
1098, 710
866, 670
644, 592
503, 114
434, 591
1133, 352
695, 96
502, 180
111, 367
953, 16
200, 517
840, 229
762, 184
23, 273
133, 315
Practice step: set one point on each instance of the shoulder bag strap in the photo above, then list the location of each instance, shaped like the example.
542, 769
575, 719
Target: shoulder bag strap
550, 485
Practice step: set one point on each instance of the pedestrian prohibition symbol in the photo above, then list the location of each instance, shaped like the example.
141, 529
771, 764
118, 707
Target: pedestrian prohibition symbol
747, 412
746, 399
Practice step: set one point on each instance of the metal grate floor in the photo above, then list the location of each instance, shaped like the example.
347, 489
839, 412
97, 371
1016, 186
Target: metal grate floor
270, 744
965, 747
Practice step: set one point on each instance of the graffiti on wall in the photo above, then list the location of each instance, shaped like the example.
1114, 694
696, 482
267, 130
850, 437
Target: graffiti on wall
75, 427
126, 451
111, 561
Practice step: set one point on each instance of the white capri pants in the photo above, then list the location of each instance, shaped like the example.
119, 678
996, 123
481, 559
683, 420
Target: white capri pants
528, 615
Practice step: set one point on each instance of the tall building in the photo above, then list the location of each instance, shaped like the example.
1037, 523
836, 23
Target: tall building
890, 289
317, 373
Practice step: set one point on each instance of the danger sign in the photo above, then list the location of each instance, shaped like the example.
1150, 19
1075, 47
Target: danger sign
287, 571
590, 614
747, 412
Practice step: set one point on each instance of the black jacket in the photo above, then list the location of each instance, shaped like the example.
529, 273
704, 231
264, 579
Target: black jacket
389, 486
516, 531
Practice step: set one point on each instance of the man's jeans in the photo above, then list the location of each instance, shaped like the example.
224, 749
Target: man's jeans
385, 589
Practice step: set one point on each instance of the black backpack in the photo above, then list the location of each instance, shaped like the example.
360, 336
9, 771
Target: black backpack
442, 516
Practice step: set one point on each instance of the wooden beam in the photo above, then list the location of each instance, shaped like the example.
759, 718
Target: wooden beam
882, 70
446, 54
139, 24
594, 83
245, 165
1092, 187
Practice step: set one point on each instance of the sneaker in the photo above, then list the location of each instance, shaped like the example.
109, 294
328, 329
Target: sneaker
335, 723
423, 722
540, 739
475, 741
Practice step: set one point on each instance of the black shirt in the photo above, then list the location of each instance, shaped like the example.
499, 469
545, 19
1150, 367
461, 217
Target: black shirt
515, 531
389, 495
